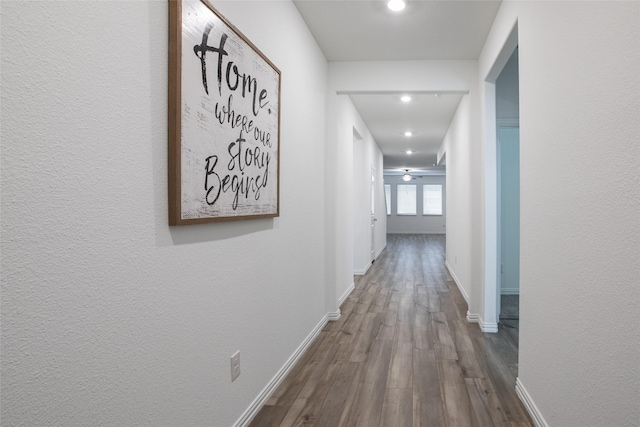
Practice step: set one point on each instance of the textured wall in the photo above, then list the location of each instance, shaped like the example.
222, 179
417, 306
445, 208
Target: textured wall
110, 317
580, 194
458, 197
358, 155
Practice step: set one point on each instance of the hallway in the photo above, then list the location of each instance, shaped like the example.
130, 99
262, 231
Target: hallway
403, 354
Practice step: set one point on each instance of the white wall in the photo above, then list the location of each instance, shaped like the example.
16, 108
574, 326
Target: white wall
399, 76
360, 154
110, 317
416, 224
380, 233
339, 183
460, 213
579, 109
359, 212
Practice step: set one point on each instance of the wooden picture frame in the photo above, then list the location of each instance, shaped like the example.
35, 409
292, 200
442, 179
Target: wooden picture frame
224, 120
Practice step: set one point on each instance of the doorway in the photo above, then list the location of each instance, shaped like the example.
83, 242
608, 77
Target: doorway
501, 88
502, 198
509, 221
508, 188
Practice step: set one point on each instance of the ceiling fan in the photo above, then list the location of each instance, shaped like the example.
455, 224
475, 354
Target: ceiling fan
408, 177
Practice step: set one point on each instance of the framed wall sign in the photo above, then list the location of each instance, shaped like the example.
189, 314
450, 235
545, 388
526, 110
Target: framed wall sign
224, 120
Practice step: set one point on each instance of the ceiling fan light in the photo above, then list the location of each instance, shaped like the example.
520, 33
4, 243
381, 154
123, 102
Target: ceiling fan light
406, 176
405, 98
396, 5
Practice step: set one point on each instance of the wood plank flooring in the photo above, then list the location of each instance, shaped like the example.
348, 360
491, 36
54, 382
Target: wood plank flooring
403, 355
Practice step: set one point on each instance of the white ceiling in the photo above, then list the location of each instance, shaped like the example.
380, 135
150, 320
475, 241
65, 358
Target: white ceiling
426, 116
363, 30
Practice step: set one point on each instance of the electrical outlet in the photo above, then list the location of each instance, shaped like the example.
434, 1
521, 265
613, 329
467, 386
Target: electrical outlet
235, 366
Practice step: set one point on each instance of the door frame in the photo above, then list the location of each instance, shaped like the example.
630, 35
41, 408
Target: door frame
491, 297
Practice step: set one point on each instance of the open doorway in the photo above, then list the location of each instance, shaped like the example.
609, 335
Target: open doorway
508, 189
497, 91
502, 201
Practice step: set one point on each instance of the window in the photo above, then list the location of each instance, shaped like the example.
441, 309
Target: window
432, 199
387, 196
406, 199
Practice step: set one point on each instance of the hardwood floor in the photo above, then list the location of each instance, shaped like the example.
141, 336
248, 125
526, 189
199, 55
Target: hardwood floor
403, 354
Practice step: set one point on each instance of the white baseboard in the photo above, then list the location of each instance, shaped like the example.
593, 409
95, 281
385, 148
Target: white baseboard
528, 403
473, 318
484, 326
346, 293
361, 271
510, 291
266, 392
487, 327
457, 282
334, 315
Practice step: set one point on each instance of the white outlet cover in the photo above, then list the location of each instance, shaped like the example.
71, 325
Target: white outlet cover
235, 365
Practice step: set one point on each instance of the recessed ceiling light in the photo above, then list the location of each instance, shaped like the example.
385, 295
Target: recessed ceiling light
409, 152
396, 5
408, 133
405, 98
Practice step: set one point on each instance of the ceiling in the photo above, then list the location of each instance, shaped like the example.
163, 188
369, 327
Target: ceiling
362, 30
426, 116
